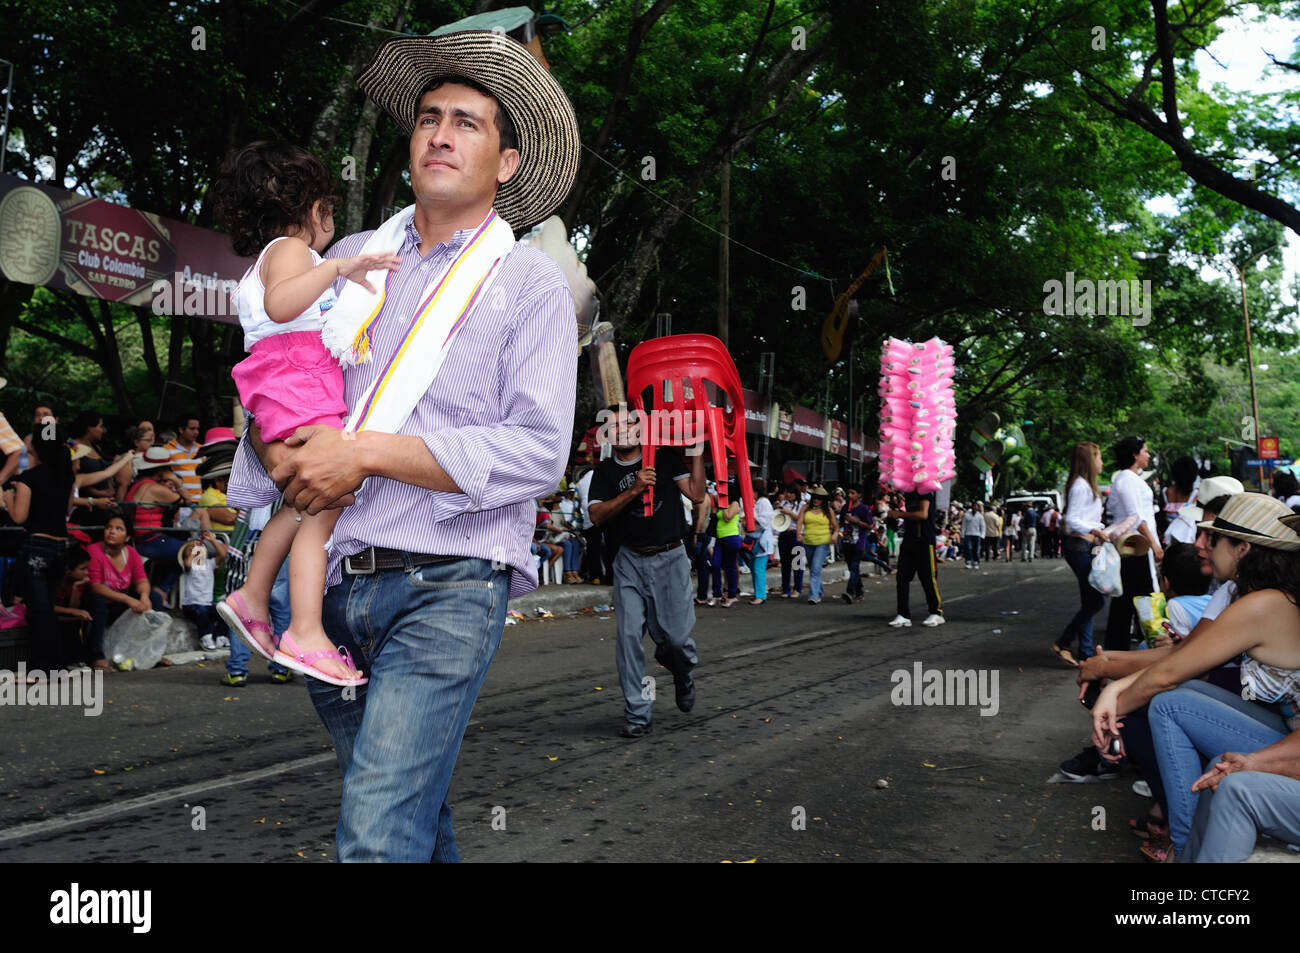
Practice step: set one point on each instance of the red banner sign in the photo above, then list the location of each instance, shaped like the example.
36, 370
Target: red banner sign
61, 239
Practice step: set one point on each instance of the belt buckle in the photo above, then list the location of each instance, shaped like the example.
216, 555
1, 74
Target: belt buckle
366, 565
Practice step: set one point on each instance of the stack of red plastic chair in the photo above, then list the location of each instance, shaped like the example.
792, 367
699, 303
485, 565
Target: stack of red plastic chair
684, 362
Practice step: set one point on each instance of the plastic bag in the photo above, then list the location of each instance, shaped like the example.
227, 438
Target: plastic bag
1151, 615
1104, 576
139, 636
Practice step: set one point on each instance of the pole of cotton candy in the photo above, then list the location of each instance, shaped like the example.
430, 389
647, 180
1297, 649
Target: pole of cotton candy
918, 415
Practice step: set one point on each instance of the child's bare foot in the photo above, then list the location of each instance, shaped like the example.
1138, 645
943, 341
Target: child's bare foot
312, 653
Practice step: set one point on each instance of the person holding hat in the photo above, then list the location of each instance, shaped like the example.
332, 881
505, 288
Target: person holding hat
784, 518
458, 374
1193, 720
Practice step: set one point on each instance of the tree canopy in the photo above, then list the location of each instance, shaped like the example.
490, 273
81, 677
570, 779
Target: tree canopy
992, 146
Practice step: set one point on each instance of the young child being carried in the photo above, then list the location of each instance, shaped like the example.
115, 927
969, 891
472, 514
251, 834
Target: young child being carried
278, 199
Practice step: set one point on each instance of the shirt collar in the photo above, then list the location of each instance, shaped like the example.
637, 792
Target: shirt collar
458, 239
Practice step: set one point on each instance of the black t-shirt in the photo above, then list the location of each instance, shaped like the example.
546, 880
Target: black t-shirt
925, 530
48, 513
631, 527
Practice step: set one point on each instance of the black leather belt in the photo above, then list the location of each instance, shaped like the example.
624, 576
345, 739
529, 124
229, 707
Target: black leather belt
654, 550
375, 559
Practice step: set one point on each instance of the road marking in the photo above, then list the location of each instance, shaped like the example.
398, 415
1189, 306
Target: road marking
136, 804
840, 630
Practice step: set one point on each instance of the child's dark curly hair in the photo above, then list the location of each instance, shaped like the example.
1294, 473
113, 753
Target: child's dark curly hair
267, 188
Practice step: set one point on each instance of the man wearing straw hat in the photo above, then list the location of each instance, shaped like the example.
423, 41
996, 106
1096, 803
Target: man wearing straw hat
459, 374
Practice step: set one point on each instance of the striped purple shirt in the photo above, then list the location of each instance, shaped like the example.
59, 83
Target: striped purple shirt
498, 417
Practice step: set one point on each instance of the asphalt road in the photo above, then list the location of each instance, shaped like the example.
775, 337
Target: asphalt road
794, 721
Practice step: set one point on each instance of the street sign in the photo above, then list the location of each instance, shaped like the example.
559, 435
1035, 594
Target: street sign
1262, 462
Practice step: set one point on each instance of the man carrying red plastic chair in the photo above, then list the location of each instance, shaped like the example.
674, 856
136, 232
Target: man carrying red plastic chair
652, 572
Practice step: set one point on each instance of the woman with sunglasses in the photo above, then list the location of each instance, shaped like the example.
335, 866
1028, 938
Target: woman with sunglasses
1193, 720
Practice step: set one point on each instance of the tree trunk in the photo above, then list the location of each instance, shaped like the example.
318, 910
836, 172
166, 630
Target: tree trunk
389, 176
354, 192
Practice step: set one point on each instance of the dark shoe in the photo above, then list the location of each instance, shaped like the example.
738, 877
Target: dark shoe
685, 693
663, 655
848, 599
1089, 766
634, 731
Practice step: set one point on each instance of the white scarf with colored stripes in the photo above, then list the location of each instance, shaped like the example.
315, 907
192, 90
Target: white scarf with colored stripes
445, 304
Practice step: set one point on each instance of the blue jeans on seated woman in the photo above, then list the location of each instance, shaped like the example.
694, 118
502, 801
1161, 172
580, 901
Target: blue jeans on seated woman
1197, 722
163, 549
572, 553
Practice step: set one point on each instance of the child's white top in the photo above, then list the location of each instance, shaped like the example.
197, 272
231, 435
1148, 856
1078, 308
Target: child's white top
198, 582
250, 300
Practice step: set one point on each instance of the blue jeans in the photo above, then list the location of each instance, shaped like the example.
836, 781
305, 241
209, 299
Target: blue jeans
164, 550
816, 556
1079, 558
425, 638
757, 570
1194, 723
240, 653
853, 557
572, 553
973, 545
726, 559
1246, 804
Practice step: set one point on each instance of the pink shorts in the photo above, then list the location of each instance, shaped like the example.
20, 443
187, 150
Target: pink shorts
289, 381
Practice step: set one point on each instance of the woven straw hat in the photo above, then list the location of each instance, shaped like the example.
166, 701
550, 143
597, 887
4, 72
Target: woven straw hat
1258, 519
549, 143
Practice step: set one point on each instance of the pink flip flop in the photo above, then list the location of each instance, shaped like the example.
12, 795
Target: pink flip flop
243, 624
290, 655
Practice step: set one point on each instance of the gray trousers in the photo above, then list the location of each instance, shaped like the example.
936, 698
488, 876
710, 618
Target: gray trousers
651, 594
1247, 803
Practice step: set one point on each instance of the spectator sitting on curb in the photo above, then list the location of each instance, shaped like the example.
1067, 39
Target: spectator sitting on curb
73, 619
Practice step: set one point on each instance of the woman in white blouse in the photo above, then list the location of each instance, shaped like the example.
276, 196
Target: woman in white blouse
1131, 496
1083, 528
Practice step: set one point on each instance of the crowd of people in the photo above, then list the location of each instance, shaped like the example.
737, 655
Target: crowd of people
96, 524
1201, 696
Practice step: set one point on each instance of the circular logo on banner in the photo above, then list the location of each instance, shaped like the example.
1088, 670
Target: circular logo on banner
29, 236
